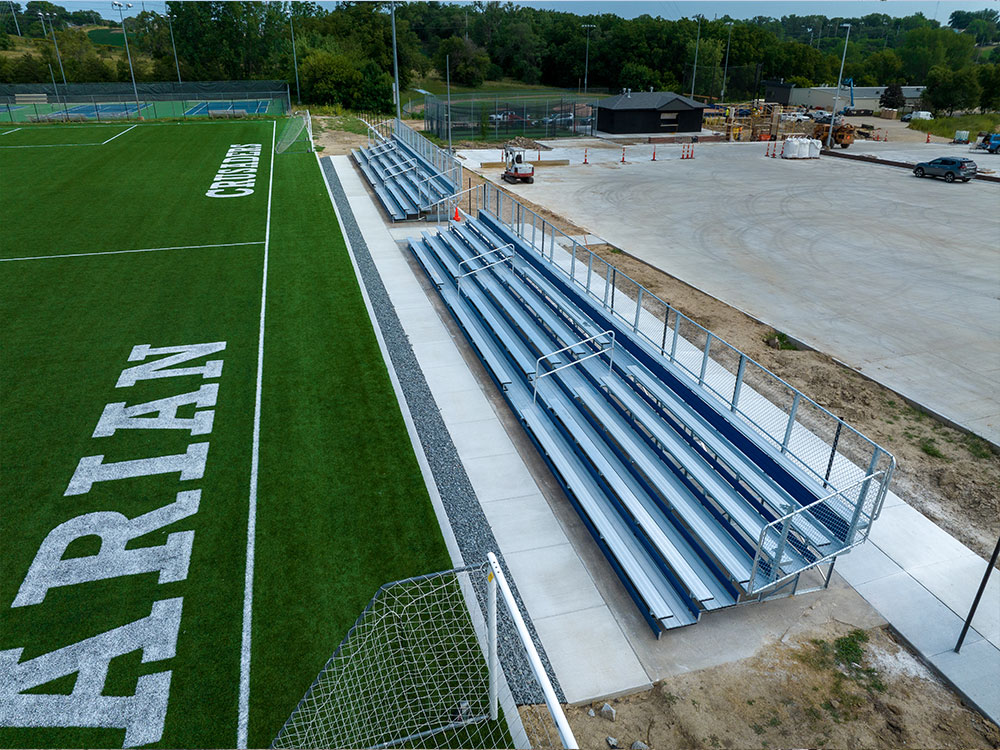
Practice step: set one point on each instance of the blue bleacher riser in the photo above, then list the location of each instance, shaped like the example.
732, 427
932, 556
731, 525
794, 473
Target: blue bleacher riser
711, 570
444, 182
658, 367
656, 626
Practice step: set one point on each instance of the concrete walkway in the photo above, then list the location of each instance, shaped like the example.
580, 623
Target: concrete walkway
912, 573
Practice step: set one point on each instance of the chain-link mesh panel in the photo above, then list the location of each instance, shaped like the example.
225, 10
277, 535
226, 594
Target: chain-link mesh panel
720, 374
413, 672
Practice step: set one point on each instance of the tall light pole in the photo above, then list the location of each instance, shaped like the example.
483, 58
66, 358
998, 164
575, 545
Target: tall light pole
395, 61
697, 43
52, 28
586, 57
170, 19
836, 96
121, 15
14, 14
819, 37
886, 40
295, 57
725, 70
810, 30
447, 72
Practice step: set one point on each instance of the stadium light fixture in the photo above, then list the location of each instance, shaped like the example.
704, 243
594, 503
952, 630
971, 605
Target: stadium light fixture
586, 59
725, 70
121, 14
170, 20
836, 96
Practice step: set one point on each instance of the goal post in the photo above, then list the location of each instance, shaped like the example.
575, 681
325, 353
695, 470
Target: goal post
296, 134
423, 666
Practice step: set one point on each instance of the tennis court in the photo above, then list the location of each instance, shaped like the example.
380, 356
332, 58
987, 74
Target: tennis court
128, 109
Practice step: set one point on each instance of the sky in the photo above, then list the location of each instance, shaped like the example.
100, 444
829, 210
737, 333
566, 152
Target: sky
933, 9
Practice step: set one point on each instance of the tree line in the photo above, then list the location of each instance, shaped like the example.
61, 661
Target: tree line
345, 54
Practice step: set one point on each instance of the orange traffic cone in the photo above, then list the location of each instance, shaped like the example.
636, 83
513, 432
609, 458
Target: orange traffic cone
457, 217
585, 156
654, 152
928, 138
623, 154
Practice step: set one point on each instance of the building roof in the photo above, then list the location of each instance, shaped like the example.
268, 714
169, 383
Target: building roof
664, 101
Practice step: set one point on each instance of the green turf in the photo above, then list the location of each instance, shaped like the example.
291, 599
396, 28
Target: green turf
113, 37
149, 110
341, 506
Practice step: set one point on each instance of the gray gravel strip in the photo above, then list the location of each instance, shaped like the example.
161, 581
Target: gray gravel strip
472, 530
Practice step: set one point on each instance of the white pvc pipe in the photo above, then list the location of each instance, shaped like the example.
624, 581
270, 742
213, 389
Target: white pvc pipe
562, 725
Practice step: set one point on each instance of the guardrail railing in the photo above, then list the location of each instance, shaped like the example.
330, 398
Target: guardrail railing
825, 529
827, 449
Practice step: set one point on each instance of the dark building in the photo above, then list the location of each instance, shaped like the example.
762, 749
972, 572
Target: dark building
649, 112
778, 92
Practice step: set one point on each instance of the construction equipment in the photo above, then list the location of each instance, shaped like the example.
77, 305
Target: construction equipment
516, 166
843, 133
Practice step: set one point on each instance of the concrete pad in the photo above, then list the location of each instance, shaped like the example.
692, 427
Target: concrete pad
440, 353
918, 615
955, 583
590, 655
976, 670
552, 581
523, 523
865, 564
912, 540
464, 406
480, 439
445, 380
499, 477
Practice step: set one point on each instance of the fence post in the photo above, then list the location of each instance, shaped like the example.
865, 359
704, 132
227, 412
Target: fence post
739, 381
791, 421
704, 358
491, 598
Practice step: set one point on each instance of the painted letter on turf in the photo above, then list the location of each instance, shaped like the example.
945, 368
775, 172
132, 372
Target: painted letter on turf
141, 715
118, 416
178, 354
190, 464
49, 569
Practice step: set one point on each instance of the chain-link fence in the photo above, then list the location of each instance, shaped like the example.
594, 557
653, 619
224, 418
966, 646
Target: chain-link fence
500, 117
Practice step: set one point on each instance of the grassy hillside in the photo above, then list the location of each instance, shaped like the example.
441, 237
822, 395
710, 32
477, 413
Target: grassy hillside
946, 126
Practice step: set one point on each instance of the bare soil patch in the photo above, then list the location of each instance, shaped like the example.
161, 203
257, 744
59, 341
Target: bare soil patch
830, 687
950, 476
328, 133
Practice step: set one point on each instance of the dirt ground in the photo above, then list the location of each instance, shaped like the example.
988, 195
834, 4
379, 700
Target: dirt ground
830, 688
951, 477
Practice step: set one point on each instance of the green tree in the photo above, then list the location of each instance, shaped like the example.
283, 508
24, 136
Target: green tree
892, 97
989, 82
469, 62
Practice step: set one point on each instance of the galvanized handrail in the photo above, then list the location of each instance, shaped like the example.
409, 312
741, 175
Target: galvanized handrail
489, 252
492, 199
409, 164
504, 259
538, 362
786, 523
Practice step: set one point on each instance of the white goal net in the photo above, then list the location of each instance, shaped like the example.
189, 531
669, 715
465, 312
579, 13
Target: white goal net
422, 668
296, 134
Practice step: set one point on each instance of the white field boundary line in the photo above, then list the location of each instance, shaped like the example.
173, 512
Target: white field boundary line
51, 145
123, 252
244, 700
119, 134
10, 131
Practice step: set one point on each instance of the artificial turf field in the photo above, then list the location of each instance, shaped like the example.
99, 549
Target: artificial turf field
128, 611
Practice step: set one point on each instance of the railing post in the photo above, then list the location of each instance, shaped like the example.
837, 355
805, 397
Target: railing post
663, 339
862, 493
833, 453
491, 598
704, 358
614, 277
590, 267
638, 310
791, 421
677, 327
739, 381
572, 262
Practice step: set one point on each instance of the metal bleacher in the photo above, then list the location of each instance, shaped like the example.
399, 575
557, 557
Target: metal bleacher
690, 514
407, 183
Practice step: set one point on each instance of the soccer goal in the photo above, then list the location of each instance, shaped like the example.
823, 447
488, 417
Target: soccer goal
422, 667
296, 135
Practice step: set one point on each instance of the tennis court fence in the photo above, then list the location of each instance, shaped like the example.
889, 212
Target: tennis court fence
117, 102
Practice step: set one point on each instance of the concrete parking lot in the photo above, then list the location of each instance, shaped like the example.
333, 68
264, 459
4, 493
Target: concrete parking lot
896, 276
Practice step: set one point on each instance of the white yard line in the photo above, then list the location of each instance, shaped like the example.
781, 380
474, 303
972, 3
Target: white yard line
10, 131
119, 134
122, 252
51, 145
244, 704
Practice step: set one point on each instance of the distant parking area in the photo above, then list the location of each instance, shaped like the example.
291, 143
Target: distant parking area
891, 274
